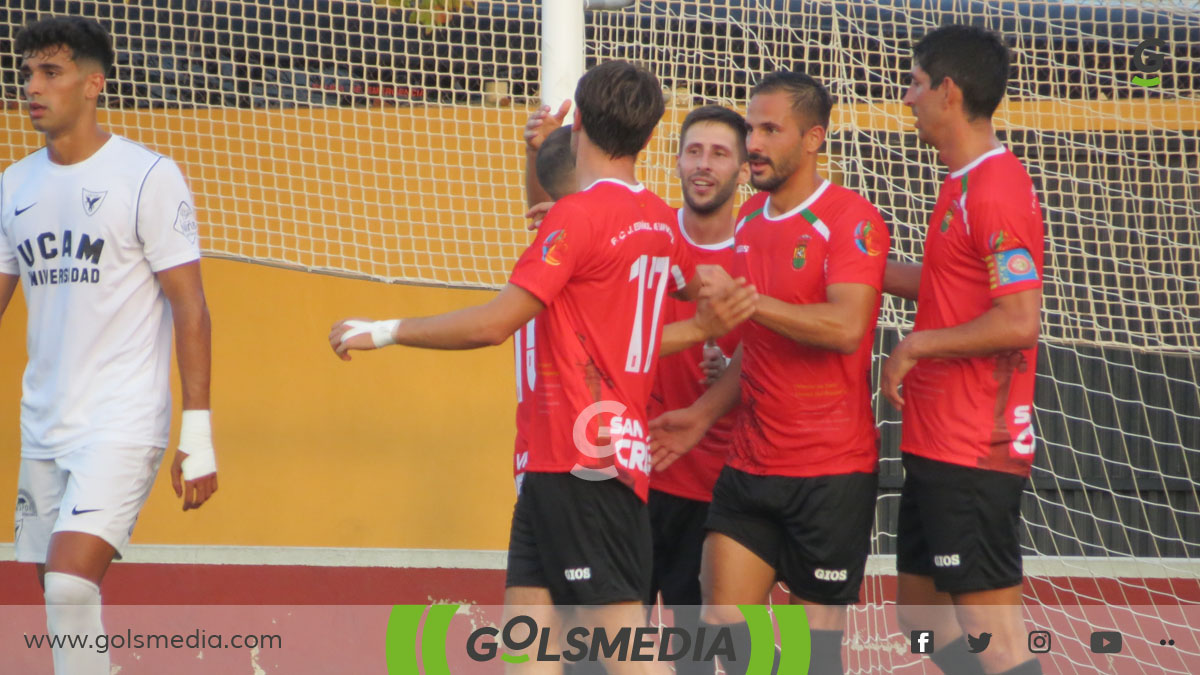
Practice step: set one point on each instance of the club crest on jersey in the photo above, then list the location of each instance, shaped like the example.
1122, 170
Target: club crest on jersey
185, 221
946, 221
868, 239
800, 253
554, 246
92, 201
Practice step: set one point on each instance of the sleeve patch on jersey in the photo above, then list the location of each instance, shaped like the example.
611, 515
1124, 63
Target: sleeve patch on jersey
554, 247
185, 221
868, 238
1011, 267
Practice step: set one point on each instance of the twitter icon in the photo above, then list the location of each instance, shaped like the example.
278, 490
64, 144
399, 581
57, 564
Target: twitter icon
980, 643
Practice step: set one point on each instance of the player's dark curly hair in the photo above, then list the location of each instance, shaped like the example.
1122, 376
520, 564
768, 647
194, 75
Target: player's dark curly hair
720, 115
619, 105
810, 98
976, 59
85, 37
555, 164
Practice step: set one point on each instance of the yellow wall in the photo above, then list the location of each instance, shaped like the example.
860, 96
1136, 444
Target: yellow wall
403, 448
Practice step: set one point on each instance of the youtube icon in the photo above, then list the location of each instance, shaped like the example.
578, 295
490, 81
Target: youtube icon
1106, 642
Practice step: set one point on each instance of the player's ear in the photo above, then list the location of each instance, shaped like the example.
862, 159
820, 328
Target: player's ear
743, 174
93, 83
952, 95
814, 138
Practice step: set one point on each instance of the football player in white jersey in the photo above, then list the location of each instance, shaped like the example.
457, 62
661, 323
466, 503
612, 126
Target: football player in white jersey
101, 234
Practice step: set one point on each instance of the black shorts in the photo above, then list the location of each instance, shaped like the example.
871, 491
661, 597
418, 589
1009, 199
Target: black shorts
677, 527
815, 532
588, 542
959, 525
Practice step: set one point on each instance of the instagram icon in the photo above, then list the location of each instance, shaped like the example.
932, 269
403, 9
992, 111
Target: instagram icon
1039, 641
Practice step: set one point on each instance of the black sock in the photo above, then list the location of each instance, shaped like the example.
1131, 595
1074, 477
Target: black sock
954, 659
687, 617
826, 653
740, 633
1030, 667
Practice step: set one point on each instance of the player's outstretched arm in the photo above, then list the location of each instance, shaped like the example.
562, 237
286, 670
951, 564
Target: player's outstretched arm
1011, 324
8, 285
674, 433
480, 326
837, 325
902, 279
194, 468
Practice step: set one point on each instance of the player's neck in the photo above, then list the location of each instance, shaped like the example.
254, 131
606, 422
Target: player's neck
713, 227
77, 143
795, 190
593, 164
966, 143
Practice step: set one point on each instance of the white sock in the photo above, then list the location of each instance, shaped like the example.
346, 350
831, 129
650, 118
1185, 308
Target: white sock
73, 609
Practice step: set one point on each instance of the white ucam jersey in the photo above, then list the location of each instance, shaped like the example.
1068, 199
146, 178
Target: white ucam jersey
86, 240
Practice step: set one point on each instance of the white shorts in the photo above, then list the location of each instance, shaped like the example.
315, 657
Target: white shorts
98, 491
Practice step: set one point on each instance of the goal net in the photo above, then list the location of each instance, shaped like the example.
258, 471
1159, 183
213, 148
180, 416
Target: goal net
372, 140
1111, 516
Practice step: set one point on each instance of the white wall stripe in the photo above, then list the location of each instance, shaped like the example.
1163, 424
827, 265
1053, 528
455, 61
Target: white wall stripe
1092, 568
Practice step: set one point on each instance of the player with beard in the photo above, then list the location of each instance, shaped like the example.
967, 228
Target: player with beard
796, 499
711, 165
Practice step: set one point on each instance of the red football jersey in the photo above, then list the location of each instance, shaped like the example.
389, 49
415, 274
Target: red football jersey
609, 257
806, 411
985, 240
680, 382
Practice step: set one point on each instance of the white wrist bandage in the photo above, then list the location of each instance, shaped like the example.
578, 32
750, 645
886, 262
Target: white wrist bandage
381, 331
195, 440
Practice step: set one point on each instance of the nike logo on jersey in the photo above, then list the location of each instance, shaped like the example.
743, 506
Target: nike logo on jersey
75, 510
20, 211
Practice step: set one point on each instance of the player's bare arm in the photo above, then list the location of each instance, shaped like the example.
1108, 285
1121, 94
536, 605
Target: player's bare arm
1011, 324
8, 285
539, 126
193, 470
902, 279
470, 328
837, 325
674, 433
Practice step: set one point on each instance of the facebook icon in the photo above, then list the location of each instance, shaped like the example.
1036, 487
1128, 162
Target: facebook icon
922, 641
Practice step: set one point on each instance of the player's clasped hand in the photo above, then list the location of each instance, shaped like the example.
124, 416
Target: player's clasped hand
721, 307
713, 363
